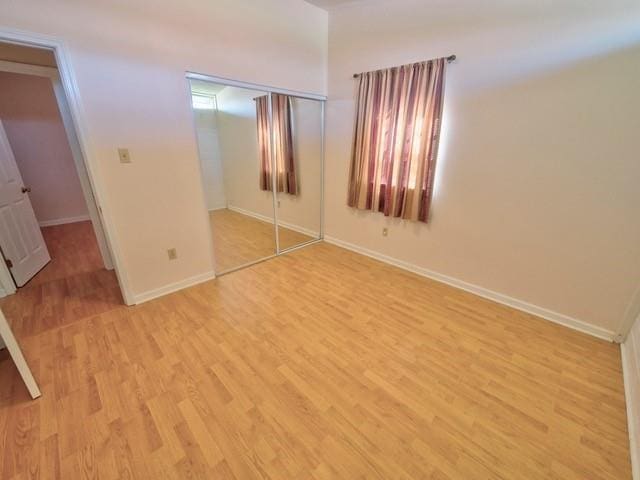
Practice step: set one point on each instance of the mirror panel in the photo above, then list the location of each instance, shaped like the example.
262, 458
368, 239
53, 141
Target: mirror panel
297, 129
240, 211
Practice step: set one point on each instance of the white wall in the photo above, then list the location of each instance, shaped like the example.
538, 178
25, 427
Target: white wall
210, 159
237, 130
537, 188
631, 367
31, 119
129, 59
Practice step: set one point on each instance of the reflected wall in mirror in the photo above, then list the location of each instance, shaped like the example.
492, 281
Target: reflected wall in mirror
240, 212
297, 137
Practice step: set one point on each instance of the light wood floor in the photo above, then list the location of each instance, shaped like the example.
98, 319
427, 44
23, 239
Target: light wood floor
320, 364
239, 239
73, 285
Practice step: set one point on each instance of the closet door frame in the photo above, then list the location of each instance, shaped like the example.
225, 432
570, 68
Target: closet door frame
292, 93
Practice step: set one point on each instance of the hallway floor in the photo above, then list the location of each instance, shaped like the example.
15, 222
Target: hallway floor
74, 285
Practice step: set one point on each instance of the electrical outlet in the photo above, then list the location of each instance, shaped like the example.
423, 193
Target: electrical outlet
172, 254
123, 153
385, 231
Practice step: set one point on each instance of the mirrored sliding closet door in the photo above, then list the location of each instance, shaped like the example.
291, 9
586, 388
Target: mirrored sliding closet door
261, 156
297, 136
240, 211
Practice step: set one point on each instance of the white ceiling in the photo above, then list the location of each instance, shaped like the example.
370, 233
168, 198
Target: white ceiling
327, 4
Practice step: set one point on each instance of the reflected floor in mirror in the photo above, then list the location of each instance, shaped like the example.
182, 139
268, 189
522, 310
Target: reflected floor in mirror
239, 239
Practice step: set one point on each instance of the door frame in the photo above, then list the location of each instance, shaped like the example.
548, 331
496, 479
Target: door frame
68, 98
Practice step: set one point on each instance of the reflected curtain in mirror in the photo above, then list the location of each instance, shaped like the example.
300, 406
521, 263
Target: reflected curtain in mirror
284, 161
397, 128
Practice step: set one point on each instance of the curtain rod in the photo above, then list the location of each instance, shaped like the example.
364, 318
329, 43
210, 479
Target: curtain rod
450, 59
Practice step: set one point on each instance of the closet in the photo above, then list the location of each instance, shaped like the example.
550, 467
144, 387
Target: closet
261, 157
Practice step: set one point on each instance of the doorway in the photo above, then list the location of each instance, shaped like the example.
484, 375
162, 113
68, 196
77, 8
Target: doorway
51, 235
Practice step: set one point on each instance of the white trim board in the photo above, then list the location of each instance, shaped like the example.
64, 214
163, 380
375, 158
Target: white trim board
630, 354
253, 86
249, 213
523, 306
265, 218
173, 287
64, 221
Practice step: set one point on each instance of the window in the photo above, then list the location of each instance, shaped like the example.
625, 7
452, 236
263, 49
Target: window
203, 102
397, 128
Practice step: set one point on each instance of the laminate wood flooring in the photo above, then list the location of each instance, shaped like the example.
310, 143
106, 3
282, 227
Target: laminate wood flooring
319, 364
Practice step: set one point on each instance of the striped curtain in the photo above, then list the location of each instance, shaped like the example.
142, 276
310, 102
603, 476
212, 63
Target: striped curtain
286, 180
397, 128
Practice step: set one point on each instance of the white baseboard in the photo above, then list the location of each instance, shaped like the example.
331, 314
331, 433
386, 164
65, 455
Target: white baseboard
221, 207
249, 213
630, 353
265, 218
481, 291
296, 228
173, 287
63, 221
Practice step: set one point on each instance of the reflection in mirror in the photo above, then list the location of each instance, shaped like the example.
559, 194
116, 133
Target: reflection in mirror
240, 211
297, 136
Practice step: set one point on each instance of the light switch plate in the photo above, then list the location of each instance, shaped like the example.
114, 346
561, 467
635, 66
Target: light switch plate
172, 254
123, 153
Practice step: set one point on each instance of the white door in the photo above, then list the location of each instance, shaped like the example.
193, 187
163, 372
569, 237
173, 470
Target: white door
20, 236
